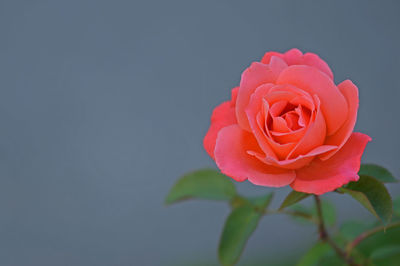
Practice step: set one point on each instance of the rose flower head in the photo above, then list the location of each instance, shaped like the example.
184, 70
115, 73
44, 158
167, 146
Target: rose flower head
287, 123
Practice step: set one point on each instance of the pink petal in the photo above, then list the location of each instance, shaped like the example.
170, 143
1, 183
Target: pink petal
295, 57
310, 79
298, 162
280, 125
222, 116
280, 150
315, 135
324, 176
290, 94
232, 157
277, 65
314, 60
268, 55
254, 76
252, 111
277, 108
293, 136
350, 92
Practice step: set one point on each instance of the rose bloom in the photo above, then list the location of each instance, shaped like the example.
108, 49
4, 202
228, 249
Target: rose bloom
288, 124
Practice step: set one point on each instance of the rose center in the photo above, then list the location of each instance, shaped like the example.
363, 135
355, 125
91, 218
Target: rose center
285, 121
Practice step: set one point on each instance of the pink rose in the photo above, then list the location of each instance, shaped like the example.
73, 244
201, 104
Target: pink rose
288, 124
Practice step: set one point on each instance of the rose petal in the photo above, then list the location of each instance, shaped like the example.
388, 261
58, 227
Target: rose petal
280, 125
298, 162
280, 150
293, 136
310, 79
252, 111
277, 108
233, 159
315, 135
277, 65
304, 115
350, 92
222, 116
314, 60
268, 55
295, 57
290, 94
292, 120
324, 176
254, 76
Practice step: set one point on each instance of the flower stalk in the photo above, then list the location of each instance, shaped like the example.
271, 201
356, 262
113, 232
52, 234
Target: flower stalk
324, 236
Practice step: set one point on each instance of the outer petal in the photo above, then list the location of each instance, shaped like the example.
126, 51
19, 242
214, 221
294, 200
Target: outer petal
234, 160
324, 176
254, 76
350, 92
296, 57
222, 116
268, 55
314, 60
310, 79
298, 162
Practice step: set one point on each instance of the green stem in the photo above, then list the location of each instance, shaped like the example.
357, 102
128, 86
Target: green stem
367, 234
323, 234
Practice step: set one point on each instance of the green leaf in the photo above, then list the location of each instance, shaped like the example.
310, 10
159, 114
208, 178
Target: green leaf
388, 256
396, 206
373, 195
258, 202
351, 229
362, 198
239, 226
388, 238
378, 172
202, 184
331, 259
261, 202
293, 198
314, 254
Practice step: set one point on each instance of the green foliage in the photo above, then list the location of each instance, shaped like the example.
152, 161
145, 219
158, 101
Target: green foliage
351, 229
261, 202
388, 256
309, 215
384, 238
331, 259
203, 184
293, 198
378, 246
367, 243
314, 254
373, 195
239, 226
396, 207
378, 172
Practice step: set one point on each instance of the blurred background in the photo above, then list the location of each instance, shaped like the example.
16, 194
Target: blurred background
104, 104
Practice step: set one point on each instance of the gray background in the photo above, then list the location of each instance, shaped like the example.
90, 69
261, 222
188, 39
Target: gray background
104, 104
